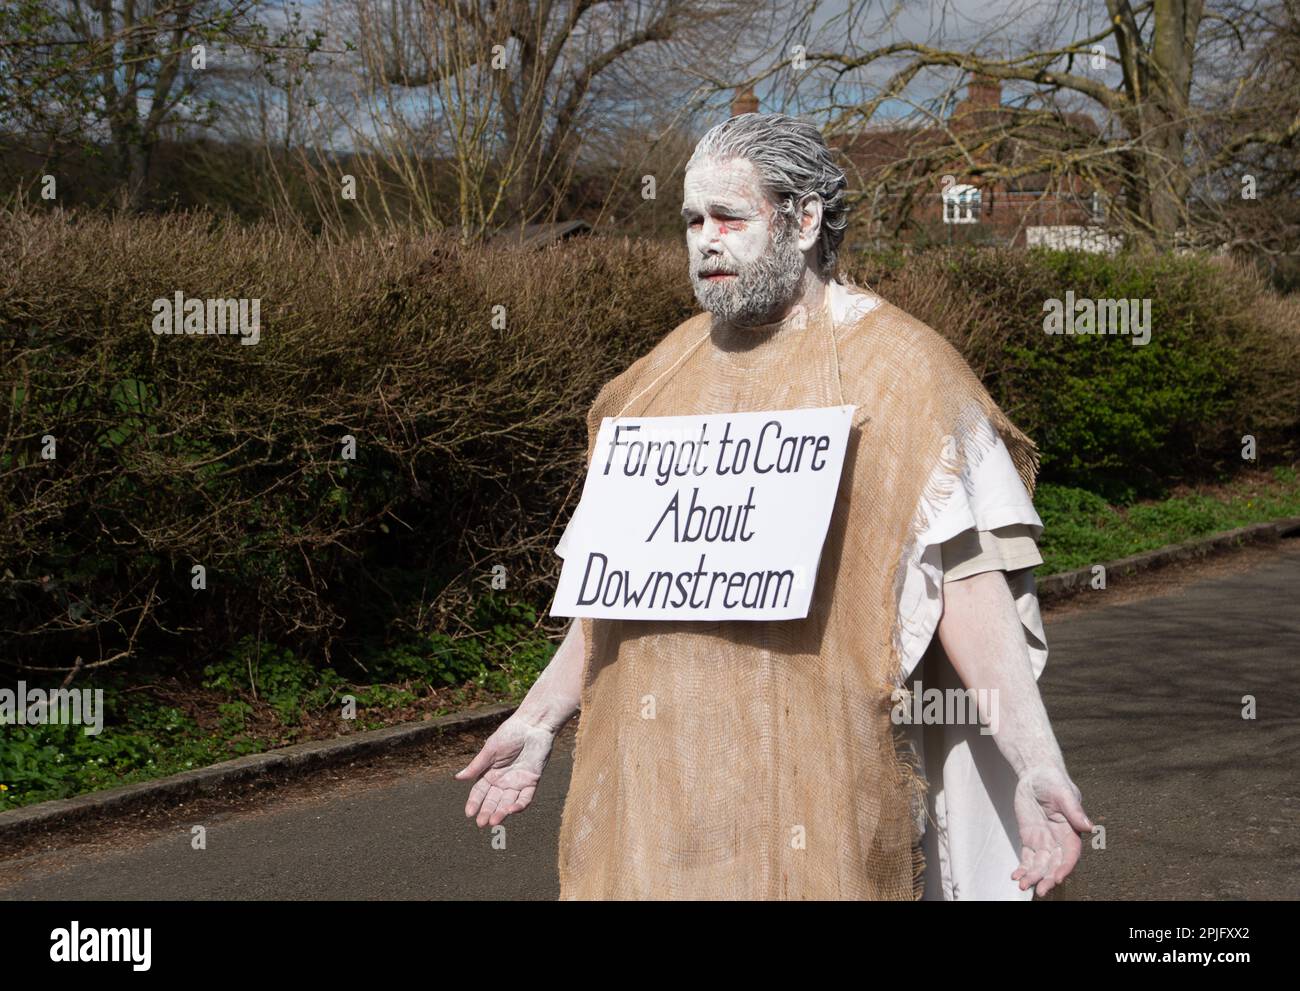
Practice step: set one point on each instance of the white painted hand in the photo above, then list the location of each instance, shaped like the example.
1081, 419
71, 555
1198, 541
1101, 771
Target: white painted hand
506, 770
1049, 812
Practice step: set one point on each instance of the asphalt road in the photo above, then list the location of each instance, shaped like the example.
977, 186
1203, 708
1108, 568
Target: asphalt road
1145, 697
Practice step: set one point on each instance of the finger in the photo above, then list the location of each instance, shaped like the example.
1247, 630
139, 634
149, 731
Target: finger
476, 796
525, 798
504, 806
1046, 860
1052, 859
481, 762
1071, 849
489, 805
1052, 874
1037, 865
1026, 865
1026, 861
1075, 816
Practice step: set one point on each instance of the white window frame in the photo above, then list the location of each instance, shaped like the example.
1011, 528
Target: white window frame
961, 204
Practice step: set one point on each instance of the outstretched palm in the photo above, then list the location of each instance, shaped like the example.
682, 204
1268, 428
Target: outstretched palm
1049, 812
506, 771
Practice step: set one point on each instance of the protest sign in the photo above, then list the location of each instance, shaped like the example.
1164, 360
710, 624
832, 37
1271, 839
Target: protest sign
708, 517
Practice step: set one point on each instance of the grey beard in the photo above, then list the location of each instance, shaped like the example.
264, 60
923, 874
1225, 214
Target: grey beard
761, 290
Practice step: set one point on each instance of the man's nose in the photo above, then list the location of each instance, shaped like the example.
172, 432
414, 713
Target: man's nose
711, 237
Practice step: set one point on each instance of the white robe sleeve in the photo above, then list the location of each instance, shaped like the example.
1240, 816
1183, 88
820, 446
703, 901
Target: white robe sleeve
971, 841
990, 496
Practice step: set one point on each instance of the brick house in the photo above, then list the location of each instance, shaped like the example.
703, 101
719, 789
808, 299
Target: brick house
950, 206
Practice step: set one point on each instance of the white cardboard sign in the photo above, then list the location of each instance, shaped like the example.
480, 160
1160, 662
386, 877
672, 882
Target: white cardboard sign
709, 517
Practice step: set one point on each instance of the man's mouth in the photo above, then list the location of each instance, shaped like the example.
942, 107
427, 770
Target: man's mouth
718, 276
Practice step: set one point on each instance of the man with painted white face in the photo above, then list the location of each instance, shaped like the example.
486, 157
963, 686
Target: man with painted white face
784, 758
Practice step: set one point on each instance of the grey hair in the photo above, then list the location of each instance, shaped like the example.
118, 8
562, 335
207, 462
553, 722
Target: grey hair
792, 160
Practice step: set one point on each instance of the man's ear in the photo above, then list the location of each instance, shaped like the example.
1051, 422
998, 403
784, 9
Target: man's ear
810, 220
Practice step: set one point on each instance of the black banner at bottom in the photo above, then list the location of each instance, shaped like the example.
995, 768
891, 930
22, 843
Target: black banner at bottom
147, 940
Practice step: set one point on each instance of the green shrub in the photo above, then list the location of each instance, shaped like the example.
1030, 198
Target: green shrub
273, 675
1122, 420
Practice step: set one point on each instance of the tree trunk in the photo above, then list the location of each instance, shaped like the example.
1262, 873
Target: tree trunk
1162, 101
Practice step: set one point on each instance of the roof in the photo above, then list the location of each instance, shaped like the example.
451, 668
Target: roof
540, 235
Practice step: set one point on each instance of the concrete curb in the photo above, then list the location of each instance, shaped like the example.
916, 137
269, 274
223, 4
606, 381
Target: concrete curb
283, 764
1070, 582
303, 758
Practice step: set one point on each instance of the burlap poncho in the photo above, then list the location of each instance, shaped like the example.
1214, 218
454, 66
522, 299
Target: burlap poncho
758, 760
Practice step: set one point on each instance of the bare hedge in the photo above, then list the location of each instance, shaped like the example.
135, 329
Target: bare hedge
177, 451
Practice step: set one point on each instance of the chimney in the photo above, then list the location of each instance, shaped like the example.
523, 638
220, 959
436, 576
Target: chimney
983, 101
984, 91
744, 102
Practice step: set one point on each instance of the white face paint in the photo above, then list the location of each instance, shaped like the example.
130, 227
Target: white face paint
726, 213
746, 265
